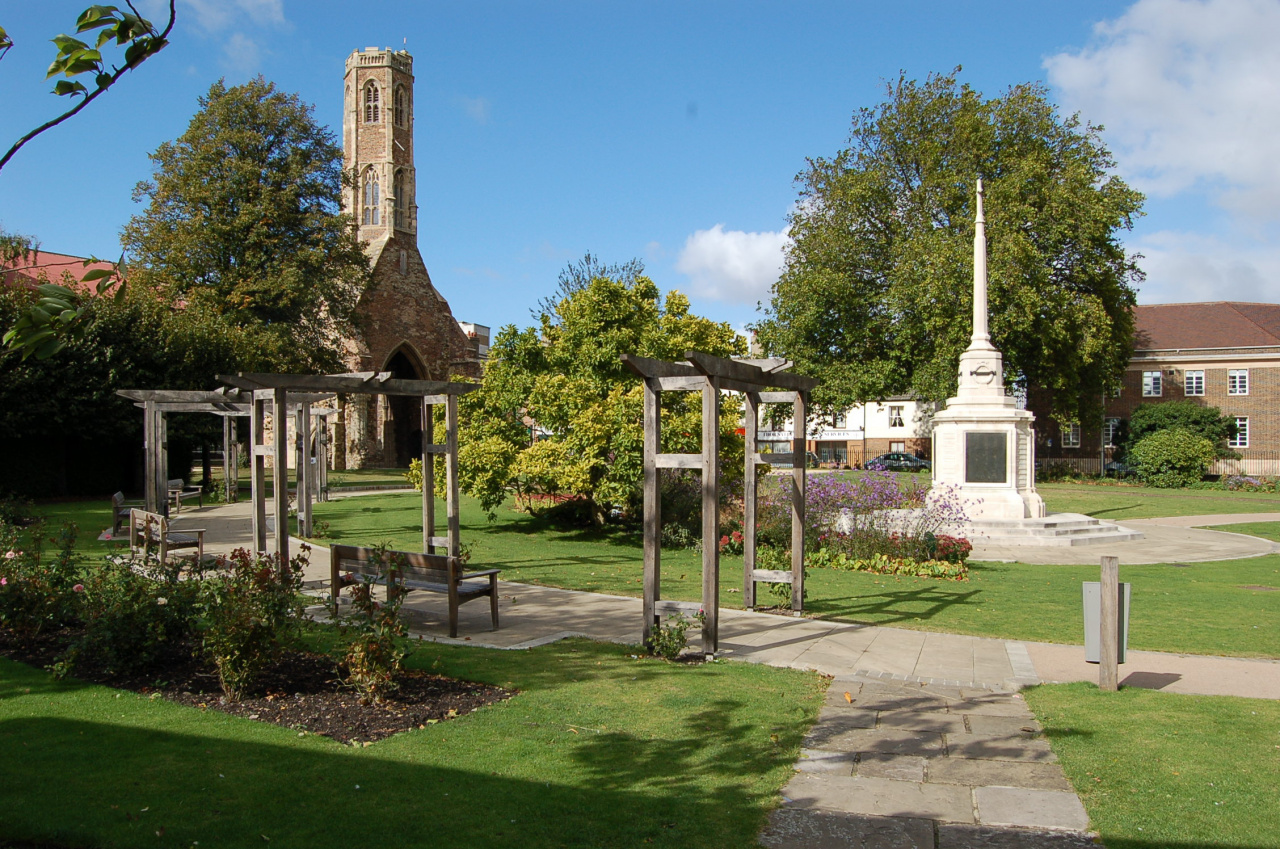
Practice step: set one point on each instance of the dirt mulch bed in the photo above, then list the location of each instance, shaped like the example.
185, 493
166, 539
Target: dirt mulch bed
302, 691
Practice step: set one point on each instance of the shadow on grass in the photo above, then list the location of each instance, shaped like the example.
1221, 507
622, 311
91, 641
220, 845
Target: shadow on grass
96, 771
1121, 509
888, 607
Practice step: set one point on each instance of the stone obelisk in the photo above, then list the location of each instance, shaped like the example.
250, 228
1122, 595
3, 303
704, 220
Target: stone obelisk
983, 445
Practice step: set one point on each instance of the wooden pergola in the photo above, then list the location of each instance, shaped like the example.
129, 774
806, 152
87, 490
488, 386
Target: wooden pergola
229, 404
267, 389
760, 381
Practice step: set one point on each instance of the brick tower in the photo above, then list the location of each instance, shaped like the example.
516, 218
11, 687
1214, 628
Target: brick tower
406, 326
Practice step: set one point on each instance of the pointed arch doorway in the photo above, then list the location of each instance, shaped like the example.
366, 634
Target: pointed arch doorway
402, 428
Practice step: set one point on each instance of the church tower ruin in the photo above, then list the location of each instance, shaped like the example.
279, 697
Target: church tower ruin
406, 326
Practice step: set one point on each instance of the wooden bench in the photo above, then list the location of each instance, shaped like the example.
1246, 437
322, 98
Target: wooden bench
120, 513
415, 571
149, 531
179, 490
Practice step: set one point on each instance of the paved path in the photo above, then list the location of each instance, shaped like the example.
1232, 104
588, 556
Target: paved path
1178, 540
923, 740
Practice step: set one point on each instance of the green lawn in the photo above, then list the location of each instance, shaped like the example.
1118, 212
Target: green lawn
1266, 530
598, 749
1200, 609
1114, 502
1167, 770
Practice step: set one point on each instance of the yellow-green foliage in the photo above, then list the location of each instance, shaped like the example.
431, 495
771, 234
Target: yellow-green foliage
567, 379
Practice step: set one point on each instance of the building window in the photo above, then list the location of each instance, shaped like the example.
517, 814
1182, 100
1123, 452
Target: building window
397, 185
372, 198
1151, 387
897, 447
1110, 432
1193, 383
833, 452
1238, 381
404, 262
371, 104
838, 420
1071, 435
895, 417
1241, 439
401, 107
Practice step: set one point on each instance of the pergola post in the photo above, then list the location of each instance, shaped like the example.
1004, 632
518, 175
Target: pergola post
428, 476
258, 468
652, 503
227, 481
799, 443
751, 420
305, 473
280, 471
322, 458
150, 440
711, 514
451, 474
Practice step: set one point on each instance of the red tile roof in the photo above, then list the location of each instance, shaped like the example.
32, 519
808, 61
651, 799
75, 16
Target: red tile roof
1215, 324
38, 264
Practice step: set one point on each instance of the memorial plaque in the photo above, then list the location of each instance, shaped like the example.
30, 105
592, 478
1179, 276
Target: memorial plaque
986, 457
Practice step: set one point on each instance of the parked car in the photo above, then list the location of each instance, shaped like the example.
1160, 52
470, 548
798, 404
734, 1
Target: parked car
1119, 469
898, 462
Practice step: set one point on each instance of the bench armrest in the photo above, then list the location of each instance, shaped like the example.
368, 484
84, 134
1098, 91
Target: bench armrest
482, 574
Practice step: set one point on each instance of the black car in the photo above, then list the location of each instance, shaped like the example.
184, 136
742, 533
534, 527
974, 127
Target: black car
898, 462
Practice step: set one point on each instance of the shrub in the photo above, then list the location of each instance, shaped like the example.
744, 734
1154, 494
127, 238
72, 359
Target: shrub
882, 564
1172, 458
952, 549
249, 613
1208, 422
36, 595
671, 637
136, 613
1248, 483
374, 659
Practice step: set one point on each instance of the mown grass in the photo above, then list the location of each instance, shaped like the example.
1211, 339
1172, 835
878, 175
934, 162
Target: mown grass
1114, 502
1200, 608
600, 748
1266, 530
1168, 770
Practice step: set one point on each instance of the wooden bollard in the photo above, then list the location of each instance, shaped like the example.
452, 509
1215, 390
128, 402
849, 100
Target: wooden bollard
1109, 622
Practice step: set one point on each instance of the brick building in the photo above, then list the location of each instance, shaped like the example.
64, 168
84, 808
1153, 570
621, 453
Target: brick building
1222, 354
407, 327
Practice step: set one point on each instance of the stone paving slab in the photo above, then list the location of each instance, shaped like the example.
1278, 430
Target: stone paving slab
985, 724
875, 740
976, 773
881, 797
897, 767
1000, 747
797, 828
955, 836
1019, 806
946, 765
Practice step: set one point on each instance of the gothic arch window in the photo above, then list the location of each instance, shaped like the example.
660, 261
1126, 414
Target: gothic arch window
372, 198
372, 104
401, 199
401, 106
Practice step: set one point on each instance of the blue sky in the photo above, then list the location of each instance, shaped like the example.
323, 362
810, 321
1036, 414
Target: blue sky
672, 131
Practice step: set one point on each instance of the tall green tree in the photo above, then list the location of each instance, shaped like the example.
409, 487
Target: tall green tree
243, 221
566, 379
876, 295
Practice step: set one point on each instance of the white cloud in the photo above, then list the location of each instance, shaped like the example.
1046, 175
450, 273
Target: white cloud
1188, 91
732, 265
1185, 267
241, 55
215, 15
477, 109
